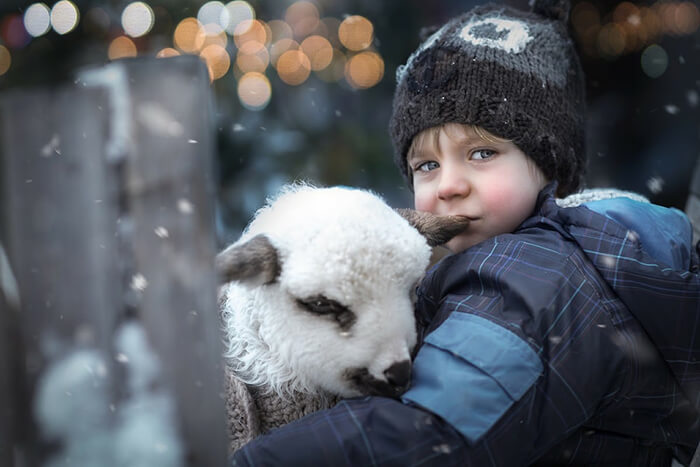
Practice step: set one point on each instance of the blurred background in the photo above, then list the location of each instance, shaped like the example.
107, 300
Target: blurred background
302, 90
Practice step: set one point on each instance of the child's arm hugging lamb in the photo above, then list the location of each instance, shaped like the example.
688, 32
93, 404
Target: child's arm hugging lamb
318, 303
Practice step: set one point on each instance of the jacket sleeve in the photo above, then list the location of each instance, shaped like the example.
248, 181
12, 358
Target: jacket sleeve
524, 347
520, 353
369, 431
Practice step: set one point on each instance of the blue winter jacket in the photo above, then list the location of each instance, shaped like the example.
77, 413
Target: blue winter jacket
574, 340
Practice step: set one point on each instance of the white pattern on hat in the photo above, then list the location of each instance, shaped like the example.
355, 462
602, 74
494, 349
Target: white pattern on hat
515, 42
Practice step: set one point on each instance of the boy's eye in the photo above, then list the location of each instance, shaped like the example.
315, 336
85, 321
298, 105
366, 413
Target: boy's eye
426, 166
482, 154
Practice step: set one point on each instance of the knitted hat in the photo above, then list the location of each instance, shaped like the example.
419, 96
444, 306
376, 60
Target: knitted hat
514, 73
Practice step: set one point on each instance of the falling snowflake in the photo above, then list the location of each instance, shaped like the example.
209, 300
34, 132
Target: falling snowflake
693, 98
184, 206
672, 109
238, 127
442, 448
51, 147
138, 282
655, 185
162, 232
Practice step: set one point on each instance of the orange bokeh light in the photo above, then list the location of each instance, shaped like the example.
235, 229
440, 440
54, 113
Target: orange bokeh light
121, 47
319, 51
356, 32
217, 60
252, 56
293, 67
303, 17
189, 36
364, 70
251, 30
167, 52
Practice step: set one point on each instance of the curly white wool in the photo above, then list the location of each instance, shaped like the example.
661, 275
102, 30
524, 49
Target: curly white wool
349, 246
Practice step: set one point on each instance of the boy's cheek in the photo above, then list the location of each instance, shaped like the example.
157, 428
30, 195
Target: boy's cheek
422, 200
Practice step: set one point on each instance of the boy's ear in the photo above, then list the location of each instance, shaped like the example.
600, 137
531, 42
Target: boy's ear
254, 262
437, 230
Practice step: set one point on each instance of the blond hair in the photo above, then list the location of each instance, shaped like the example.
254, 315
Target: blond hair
430, 136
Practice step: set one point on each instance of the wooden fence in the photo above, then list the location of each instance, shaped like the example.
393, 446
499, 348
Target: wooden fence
107, 286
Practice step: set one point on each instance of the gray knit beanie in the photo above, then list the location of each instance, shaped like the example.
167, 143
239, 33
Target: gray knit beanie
514, 73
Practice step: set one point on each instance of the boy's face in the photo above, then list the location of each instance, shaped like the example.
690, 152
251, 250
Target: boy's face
455, 171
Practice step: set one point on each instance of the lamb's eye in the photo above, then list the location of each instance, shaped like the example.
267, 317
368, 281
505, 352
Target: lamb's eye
320, 305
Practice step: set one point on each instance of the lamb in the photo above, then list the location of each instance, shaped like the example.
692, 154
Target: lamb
317, 303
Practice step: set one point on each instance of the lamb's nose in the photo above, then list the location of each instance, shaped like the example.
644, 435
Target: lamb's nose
399, 374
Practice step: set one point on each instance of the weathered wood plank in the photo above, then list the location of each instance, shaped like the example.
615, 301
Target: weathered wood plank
107, 218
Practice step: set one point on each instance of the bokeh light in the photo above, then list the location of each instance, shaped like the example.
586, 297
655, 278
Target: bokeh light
687, 18
303, 17
585, 16
217, 59
280, 47
654, 61
364, 70
37, 19
611, 40
236, 12
64, 17
213, 13
12, 31
251, 30
252, 56
356, 32
137, 19
121, 47
189, 35
167, 52
319, 51
214, 34
254, 90
626, 12
5, 60
293, 67
279, 30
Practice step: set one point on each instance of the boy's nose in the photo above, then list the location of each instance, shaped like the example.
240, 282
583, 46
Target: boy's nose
452, 185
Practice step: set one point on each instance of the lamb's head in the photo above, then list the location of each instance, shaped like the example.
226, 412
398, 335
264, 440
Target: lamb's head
333, 273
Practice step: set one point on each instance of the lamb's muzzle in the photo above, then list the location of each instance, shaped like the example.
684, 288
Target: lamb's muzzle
398, 376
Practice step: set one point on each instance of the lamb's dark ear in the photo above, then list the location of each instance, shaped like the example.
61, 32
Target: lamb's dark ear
255, 262
436, 229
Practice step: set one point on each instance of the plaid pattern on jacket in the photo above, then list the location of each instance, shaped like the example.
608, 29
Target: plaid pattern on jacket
574, 340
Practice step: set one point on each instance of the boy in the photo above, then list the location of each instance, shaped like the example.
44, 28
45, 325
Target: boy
557, 333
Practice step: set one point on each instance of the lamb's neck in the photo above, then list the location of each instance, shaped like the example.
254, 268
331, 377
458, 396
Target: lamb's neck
275, 410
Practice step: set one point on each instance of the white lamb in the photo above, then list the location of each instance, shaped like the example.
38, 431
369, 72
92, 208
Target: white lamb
318, 303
